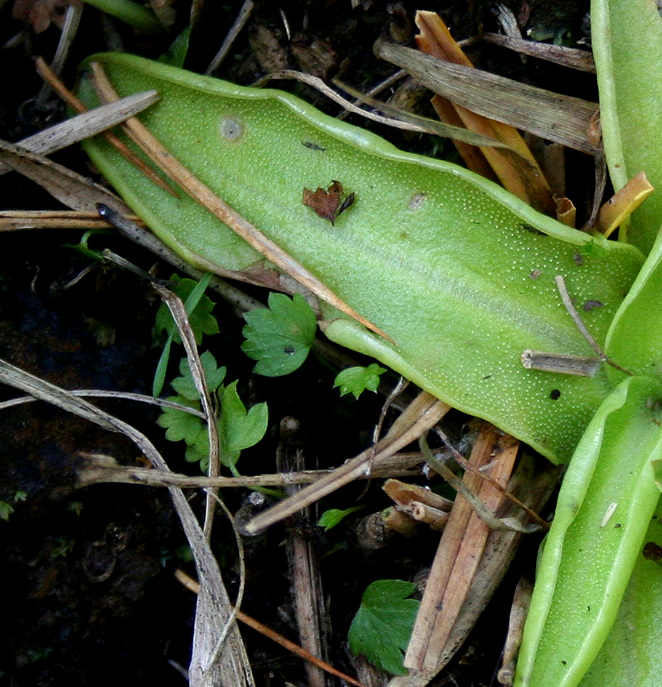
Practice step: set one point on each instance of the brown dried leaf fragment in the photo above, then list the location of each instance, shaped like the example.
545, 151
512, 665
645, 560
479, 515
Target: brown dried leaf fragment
328, 204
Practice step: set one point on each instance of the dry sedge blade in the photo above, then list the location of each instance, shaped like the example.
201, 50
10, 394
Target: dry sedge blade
202, 194
559, 54
447, 129
550, 115
71, 189
13, 220
520, 173
85, 125
459, 553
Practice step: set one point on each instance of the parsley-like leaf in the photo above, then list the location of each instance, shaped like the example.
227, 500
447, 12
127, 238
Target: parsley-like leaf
185, 385
180, 425
355, 380
382, 626
238, 428
199, 313
279, 337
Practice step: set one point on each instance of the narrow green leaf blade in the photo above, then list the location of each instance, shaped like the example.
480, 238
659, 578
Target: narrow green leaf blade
238, 428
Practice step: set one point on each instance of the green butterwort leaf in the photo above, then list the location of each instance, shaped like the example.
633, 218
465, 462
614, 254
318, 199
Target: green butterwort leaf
279, 337
382, 626
446, 263
335, 516
238, 428
355, 380
198, 308
626, 37
631, 653
185, 386
634, 340
132, 13
603, 511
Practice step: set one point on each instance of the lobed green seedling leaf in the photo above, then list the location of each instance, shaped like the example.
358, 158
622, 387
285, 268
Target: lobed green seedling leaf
202, 322
198, 308
6, 509
279, 337
355, 380
180, 425
214, 376
239, 428
382, 626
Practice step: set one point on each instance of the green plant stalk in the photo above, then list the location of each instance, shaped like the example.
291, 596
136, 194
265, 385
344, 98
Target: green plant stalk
456, 270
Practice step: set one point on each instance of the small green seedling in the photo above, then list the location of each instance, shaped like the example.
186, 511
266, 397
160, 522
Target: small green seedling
356, 380
382, 626
238, 428
279, 337
198, 308
6, 509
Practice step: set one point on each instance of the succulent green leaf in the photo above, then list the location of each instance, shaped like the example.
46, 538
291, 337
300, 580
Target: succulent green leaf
279, 337
604, 508
355, 380
459, 273
634, 340
132, 13
631, 653
626, 37
382, 626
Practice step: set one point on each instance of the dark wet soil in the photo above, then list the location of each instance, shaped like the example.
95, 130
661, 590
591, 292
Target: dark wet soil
89, 594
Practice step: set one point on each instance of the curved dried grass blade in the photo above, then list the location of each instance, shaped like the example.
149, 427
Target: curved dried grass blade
550, 115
